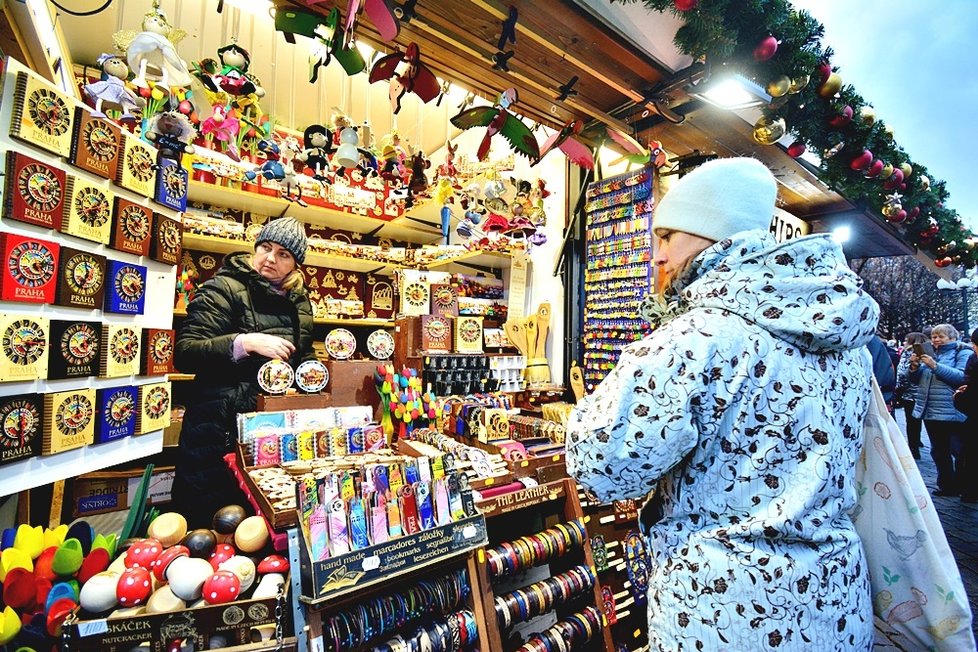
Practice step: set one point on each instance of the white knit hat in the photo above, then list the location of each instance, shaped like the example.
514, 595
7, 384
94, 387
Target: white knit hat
718, 199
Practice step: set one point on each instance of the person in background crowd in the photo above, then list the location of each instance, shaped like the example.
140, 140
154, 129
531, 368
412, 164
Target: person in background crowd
883, 369
966, 402
905, 392
253, 310
745, 414
936, 378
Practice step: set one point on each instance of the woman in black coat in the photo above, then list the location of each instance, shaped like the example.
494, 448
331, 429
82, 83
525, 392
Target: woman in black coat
253, 310
966, 402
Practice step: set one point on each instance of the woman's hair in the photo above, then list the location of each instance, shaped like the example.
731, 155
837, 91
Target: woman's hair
914, 338
974, 336
950, 332
294, 281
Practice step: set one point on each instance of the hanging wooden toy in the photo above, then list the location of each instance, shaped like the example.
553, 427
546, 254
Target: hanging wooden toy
223, 126
330, 43
317, 143
152, 53
498, 120
381, 14
172, 133
231, 75
576, 152
415, 77
112, 91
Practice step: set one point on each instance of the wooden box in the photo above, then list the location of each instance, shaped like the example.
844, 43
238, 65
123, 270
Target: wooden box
352, 383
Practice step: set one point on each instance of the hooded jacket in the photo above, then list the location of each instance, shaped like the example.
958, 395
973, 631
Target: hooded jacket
236, 300
746, 413
935, 388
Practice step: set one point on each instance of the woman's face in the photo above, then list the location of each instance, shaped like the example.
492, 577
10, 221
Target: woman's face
937, 339
274, 262
674, 248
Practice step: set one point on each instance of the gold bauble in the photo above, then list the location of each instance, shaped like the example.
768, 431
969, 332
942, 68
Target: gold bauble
891, 209
778, 86
831, 86
867, 115
886, 173
907, 170
767, 131
888, 130
797, 84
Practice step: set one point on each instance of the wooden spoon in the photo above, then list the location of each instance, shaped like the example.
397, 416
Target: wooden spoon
543, 327
530, 328
514, 331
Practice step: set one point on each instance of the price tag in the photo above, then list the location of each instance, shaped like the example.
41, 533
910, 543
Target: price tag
370, 563
92, 627
469, 531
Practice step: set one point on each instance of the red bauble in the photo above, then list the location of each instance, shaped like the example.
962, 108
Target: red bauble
823, 72
185, 107
766, 49
894, 181
914, 212
874, 169
796, 149
841, 120
862, 161
943, 262
685, 5
898, 217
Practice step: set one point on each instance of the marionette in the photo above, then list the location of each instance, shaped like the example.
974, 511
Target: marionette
272, 169
317, 142
223, 126
172, 133
233, 76
153, 52
448, 169
290, 184
111, 89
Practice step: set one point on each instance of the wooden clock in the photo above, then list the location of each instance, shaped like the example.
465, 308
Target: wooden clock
69, 420
444, 299
157, 357
132, 226
436, 334
42, 116
81, 279
166, 241
30, 268
115, 413
137, 167
125, 288
120, 351
75, 349
468, 335
34, 192
88, 211
23, 347
154, 407
172, 181
21, 425
97, 144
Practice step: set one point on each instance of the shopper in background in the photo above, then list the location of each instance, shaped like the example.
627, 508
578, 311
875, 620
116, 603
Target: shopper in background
253, 310
883, 369
745, 413
906, 392
966, 402
936, 378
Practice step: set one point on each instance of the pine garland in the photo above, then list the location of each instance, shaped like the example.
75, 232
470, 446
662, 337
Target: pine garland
724, 33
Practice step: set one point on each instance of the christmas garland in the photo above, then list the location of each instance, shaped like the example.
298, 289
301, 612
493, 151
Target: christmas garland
780, 48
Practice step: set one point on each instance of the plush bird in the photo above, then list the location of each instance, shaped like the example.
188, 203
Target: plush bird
381, 14
498, 120
416, 77
577, 152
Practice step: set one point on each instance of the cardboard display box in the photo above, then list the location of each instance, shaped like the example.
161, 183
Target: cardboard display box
110, 491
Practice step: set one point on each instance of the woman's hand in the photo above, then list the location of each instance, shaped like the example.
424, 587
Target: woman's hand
270, 346
929, 361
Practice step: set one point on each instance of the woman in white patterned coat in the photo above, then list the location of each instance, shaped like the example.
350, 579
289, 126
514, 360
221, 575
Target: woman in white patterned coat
745, 412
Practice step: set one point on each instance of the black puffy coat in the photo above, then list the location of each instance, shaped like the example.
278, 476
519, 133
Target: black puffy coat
236, 300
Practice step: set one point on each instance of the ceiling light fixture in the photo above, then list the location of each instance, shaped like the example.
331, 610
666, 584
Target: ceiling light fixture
731, 92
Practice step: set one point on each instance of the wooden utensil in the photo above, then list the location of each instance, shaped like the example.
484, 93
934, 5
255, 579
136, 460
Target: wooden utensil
543, 327
530, 331
577, 381
514, 331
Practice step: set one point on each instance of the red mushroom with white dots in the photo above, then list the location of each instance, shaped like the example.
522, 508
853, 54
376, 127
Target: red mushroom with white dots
223, 586
143, 553
134, 587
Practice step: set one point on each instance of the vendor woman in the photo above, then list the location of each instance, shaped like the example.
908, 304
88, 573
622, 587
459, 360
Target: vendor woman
745, 412
253, 310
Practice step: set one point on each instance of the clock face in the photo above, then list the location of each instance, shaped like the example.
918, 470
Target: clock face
139, 164
74, 414
39, 187
157, 402
100, 141
24, 342
124, 345
92, 206
416, 294
173, 182
161, 347
135, 222
31, 264
79, 344
444, 296
18, 420
469, 331
129, 284
437, 328
169, 235
48, 111
119, 408
84, 274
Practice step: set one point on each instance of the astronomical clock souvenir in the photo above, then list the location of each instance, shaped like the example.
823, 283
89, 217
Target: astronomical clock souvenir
115, 413
97, 144
415, 295
120, 351
157, 358
311, 376
380, 344
436, 334
154, 408
81, 279
340, 344
444, 300
172, 181
468, 335
24, 344
166, 239
137, 167
75, 349
30, 269
132, 227
21, 423
125, 288
34, 191
88, 211
275, 377
42, 116
69, 420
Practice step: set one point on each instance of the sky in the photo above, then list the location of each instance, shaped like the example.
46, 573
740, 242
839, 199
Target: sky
914, 63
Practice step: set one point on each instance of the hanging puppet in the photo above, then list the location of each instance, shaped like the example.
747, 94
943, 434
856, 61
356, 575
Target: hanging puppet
231, 76
172, 133
223, 127
317, 143
152, 54
111, 91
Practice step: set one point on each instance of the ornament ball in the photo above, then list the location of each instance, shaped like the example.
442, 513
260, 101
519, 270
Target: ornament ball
765, 49
831, 86
796, 149
685, 5
779, 86
767, 131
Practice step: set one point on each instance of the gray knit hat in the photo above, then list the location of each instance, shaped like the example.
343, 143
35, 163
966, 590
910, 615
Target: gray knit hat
286, 232
718, 199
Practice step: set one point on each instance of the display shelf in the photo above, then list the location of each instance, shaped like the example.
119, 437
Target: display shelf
369, 323
180, 377
47, 469
477, 260
313, 258
402, 228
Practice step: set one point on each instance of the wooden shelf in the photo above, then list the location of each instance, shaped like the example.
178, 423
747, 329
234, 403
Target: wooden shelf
46, 469
402, 228
177, 377
348, 263
477, 259
375, 323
